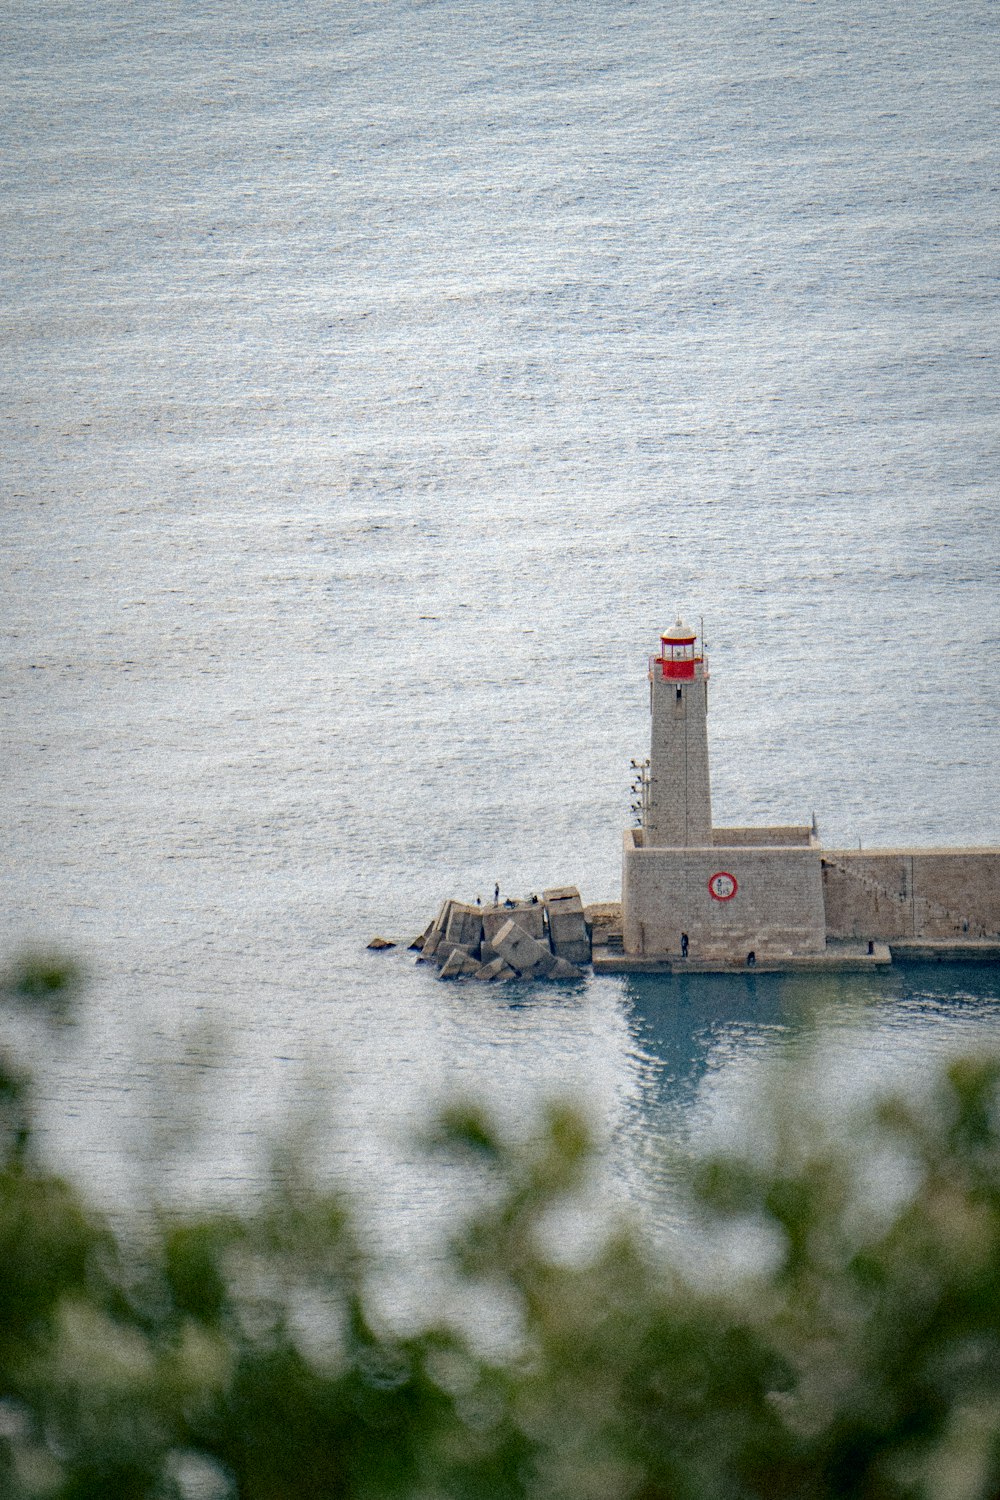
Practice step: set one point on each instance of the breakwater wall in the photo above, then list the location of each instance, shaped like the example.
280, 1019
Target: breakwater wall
936, 894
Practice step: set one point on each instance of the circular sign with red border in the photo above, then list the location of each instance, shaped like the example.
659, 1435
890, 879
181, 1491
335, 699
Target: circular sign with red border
722, 886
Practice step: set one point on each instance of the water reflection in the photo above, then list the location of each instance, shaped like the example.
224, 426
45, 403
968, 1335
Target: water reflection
704, 1045
683, 1023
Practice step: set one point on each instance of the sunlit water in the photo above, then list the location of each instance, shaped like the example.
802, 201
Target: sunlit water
378, 381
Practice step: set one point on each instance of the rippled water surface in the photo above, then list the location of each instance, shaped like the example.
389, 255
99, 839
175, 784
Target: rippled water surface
378, 381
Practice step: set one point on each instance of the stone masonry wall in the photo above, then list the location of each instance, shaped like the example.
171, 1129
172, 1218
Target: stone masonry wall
912, 893
680, 802
777, 910
778, 834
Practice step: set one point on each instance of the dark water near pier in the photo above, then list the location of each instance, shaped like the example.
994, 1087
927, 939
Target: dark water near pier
378, 380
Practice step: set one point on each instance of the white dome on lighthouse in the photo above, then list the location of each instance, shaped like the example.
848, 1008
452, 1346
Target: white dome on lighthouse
678, 632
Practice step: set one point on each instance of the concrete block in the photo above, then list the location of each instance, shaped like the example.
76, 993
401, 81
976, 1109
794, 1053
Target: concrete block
444, 951
516, 947
452, 966
529, 916
496, 972
441, 920
521, 951
562, 893
563, 969
493, 919
568, 934
568, 906
470, 968
454, 923
574, 953
487, 952
431, 944
604, 919
380, 943
464, 925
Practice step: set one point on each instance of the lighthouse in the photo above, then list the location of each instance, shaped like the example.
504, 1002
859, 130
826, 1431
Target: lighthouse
693, 893
721, 897
678, 810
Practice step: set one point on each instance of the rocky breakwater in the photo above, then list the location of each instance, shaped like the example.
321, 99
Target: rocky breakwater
535, 939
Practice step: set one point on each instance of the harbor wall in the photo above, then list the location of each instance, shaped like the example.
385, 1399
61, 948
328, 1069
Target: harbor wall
911, 893
777, 908
779, 834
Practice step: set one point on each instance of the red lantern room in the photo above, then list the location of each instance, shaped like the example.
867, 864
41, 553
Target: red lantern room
677, 657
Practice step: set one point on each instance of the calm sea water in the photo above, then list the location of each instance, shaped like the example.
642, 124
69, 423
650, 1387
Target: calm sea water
378, 380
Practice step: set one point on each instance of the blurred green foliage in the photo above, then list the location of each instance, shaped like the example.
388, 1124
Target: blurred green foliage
858, 1355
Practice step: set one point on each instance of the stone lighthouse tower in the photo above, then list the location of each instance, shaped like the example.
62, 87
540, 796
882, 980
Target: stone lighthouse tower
678, 812
697, 895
